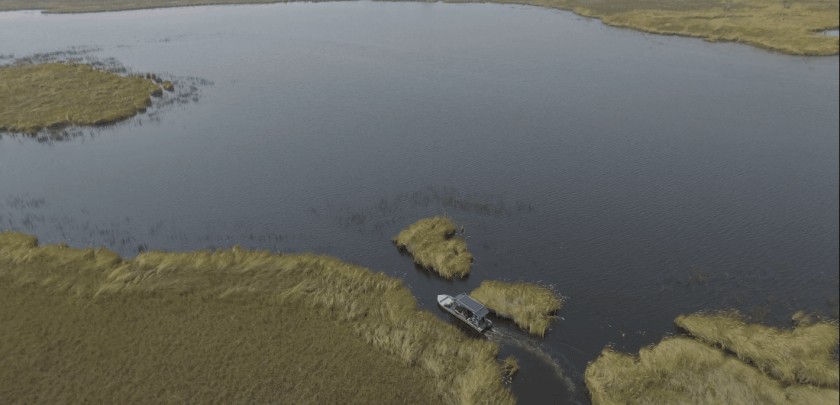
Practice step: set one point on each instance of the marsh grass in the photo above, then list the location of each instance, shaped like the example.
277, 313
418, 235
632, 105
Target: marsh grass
510, 367
682, 370
803, 355
433, 246
54, 95
532, 307
229, 324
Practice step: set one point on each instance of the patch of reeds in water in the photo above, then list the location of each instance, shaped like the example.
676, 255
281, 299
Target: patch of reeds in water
375, 308
683, 370
510, 367
432, 244
798, 356
532, 307
52, 95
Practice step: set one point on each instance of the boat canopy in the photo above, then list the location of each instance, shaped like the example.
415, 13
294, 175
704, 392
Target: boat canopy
471, 304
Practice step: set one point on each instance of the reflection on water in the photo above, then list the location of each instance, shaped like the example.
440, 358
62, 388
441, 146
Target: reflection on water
643, 176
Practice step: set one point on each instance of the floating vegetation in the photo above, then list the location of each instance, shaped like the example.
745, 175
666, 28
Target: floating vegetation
682, 370
510, 367
268, 292
432, 244
799, 356
532, 307
54, 95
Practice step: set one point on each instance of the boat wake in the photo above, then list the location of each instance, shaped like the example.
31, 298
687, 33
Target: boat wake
539, 349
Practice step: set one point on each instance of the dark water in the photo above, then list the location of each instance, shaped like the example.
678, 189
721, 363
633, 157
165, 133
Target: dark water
643, 176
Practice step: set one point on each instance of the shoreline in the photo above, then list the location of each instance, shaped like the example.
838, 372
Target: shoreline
790, 27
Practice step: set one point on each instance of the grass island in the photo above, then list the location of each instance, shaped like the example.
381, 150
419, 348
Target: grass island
53, 95
433, 246
531, 306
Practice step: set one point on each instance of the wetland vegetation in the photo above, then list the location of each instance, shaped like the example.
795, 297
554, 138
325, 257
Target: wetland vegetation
86, 323
770, 366
532, 307
54, 95
432, 243
797, 356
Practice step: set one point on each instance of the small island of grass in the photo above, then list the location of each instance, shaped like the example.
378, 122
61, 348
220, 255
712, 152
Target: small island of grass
53, 95
531, 306
771, 367
433, 246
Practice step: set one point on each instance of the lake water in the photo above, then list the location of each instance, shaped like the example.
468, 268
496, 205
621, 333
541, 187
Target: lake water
643, 176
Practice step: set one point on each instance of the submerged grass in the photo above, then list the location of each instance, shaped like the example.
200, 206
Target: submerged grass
52, 95
170, 326
432, 244
802, 355
685, 371
531, 306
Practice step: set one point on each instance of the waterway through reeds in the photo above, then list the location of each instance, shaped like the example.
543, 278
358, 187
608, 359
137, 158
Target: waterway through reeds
641, 176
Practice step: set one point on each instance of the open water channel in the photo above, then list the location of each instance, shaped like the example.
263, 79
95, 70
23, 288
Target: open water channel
643, 176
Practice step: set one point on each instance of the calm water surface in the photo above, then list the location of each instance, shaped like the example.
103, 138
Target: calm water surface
642, 176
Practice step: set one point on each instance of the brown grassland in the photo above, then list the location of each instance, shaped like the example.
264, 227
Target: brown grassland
789, 26
801, 355
52, 95
769, 366
686, 371
531, 306
232, 326
432, 244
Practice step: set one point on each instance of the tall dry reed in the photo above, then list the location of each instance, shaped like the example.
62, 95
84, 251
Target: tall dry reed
52, 95
378, 309
532, 307
803, 355
432, 244
685, 371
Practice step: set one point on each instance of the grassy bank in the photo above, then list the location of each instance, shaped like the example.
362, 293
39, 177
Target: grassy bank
52, 95
432, 244
224, 326
532, 307
769, 366
798, 356
685, 371
789, 26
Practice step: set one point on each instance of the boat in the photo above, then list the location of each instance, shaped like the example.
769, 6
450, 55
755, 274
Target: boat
466, 309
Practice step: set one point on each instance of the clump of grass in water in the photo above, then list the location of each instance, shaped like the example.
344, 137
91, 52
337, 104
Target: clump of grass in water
531, 306
510, 367
682, 370
52, 95
802, 355
374, 308
432, 244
